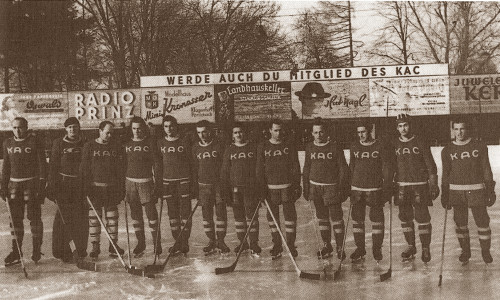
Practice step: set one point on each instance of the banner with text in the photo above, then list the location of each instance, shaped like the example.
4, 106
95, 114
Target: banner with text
187, 104
42, 110
253, 102
331, 99
412, 95
298, 75
475, 94
93, 107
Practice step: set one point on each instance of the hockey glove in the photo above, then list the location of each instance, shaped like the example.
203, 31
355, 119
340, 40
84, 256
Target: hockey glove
490, 190
433, 186
445, 196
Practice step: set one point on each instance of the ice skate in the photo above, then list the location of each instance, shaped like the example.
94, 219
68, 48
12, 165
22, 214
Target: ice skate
13, 258
210, 248
222, 247
255, 249
37, 253
175, 249
139, 250
377, 254
244, 245
96, 250
358, 255
487, 256
325, 252
409, 254
426, 254
184, 248
112, 252
293, 250
464, 257
276, 252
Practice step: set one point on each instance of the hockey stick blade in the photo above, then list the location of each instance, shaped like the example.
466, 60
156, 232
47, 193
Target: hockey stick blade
386, 275
87, 265
153, 268
139, 272
311, 276
225, 270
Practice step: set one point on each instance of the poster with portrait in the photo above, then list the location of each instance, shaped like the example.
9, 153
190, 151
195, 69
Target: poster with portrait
331, 99
471, 94
424, 95
253, 101
188, 104
93, 107
42, 110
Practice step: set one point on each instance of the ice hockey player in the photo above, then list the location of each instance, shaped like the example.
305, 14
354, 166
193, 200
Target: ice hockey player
370, 168
238, 183
101, 171
416, 177
175, 164
207, 161
141, 158
278, 173
63, 186
23, 183
468, 183
325, 174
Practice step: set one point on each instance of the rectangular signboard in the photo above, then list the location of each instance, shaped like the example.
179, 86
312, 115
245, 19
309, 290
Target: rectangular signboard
411, 95
188, 104
42, 110
475, 94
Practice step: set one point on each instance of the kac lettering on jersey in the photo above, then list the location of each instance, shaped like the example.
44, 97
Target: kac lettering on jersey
137, 148
242, 155
366, 154
464, 154
18, 150
276, 152
72, 150
172, 149
321, 155
405, 150
105, 153
207, 154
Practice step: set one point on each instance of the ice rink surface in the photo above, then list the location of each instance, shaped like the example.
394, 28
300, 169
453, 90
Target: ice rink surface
193, 277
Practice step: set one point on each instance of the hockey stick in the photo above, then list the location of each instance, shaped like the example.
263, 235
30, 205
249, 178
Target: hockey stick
159, 268
158, 231
80, 263
7, 199
299, 272
128, 234
315, 220
336, 275
388, 274
442, 248
133, 271
231, 268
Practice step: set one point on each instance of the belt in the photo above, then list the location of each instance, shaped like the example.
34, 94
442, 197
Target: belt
467, 187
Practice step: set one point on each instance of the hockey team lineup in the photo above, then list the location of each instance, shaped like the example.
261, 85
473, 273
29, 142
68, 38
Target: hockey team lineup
88, 180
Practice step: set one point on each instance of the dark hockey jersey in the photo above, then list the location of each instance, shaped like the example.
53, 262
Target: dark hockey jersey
277, 165
324, 164
466, 164
207, 160
369, 164
238, 165
23, 159
65, 158
140, 158
102, 163
175, 157
414, 161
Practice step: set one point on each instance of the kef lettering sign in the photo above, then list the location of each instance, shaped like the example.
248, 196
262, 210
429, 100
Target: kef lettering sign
188, 104
93, 107
475, 94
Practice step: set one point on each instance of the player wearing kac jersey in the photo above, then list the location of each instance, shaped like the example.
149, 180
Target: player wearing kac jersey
238, 177
468, 183
141, 158
64, 187
207, 160
325, 175
101, 171
416, 177
278, 173
23, 183
370, 168
175, 167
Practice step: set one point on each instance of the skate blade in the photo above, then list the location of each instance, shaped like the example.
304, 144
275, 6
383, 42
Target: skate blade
12, 263
408, 260
139, 255
276, 257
